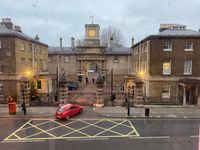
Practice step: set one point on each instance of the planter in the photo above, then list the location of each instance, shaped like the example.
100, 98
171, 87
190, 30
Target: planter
99, 84
99, 105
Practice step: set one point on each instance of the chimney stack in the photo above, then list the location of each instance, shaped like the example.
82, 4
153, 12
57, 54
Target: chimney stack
61, 42
72, 42
7, 23
132, 40
110, 42
37, 38
17, 28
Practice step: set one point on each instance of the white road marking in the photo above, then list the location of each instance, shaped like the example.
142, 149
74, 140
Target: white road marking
150, 137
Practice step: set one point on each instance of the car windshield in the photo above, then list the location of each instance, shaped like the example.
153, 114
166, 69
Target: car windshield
61, 110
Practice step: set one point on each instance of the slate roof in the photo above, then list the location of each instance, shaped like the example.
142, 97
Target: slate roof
5, 31
172, 33
179, 32
69, 50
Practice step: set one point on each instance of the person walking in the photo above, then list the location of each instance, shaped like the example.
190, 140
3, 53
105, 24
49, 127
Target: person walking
23, 105
93, 80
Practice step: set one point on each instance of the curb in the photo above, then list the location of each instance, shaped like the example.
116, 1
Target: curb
141, 117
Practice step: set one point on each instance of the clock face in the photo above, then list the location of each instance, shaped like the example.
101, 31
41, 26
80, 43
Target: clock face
92, 33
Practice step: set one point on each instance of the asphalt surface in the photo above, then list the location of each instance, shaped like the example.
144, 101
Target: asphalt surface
99, 133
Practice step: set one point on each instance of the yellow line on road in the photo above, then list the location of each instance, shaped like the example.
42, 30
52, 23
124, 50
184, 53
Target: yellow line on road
109, 129
14, 133
122, 124
36, 125
137, 134
42, 130
75, 130
60, 125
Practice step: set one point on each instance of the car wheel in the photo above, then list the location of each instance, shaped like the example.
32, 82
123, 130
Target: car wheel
67, 117
80, 111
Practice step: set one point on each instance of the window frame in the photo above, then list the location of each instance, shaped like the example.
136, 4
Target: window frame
189, 46
22, 46
116, 59
187, 68
167, 71
166, 90
66, 59
39, 85
167, 46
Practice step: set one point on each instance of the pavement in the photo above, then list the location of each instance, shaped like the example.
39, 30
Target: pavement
155, 111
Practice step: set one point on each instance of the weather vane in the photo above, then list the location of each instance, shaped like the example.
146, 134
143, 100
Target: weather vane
92, 17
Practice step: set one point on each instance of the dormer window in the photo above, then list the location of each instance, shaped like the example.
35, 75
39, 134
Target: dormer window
189, 46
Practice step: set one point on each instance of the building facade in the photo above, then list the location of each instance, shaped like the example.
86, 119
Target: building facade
77, 61
23, 60
167, 63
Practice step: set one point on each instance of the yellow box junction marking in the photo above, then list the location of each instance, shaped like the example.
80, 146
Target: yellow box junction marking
87, 124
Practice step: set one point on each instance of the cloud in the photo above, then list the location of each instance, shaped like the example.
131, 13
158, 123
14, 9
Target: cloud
52, 19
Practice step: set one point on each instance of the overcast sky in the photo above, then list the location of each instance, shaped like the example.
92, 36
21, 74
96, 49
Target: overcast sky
52, 19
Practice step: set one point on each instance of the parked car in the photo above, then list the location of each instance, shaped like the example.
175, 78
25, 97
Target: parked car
72, 85
68, 110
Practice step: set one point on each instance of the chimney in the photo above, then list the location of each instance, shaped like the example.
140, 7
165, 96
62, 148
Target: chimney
72, 42
61, 42
110, 42
37, 38
132, 40
17, 28
7, 23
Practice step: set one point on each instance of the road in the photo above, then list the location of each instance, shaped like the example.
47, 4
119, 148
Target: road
95, 133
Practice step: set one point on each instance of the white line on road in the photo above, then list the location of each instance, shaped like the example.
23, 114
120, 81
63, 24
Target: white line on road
21, 141
150, 137
194, 136
88, 139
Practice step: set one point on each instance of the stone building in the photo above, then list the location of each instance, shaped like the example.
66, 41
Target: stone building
77, 61
167, 63
22, 60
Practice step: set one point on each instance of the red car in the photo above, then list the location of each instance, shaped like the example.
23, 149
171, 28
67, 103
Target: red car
68, 110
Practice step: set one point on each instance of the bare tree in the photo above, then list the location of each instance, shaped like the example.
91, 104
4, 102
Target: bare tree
111, 36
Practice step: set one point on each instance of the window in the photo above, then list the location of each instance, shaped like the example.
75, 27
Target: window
0, 44
22, 46
40, 50
189, 46
188, 67
49, 59
1, 90
66, 59
166, 91
167, 46
29, 47
39, 84
116, 59
35, 49
1, 68
167, 67
23, 63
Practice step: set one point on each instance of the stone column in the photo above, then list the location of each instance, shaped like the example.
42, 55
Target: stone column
198, 97
184, 96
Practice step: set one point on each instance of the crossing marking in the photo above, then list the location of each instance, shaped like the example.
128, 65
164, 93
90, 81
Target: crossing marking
75, 128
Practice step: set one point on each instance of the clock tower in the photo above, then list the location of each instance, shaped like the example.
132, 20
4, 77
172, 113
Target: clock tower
92, 35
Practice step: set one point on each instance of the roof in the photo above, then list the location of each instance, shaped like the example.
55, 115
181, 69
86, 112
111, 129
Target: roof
5, 31
172, 33
69, 50
179, 32
59, 50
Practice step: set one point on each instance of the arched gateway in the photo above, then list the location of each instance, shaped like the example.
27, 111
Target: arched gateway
83, 62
